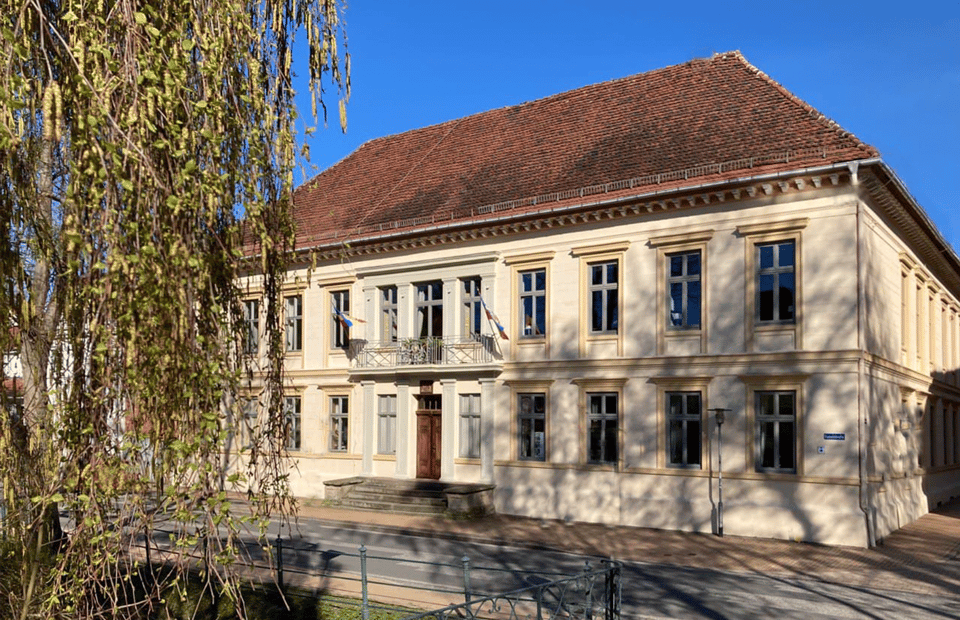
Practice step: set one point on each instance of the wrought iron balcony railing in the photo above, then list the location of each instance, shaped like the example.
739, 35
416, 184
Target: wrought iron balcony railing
446, 351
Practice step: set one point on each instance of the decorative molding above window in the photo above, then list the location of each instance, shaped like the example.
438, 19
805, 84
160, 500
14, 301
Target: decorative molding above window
617, 247
769, 228
530, 257
690, 238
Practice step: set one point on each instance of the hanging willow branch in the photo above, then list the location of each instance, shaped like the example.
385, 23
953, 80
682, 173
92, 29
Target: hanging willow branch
146, 151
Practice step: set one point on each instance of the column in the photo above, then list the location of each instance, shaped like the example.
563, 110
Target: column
487, 395
406, 432
369, 415
448, 430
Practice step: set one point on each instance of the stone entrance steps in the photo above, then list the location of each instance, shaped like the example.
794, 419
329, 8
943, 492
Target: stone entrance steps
410, 496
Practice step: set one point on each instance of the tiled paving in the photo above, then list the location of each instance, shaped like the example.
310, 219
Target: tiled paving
923, 557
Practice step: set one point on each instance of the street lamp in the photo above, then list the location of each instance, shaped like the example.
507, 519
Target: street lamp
719, 415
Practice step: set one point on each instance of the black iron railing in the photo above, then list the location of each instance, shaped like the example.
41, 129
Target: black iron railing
445, 351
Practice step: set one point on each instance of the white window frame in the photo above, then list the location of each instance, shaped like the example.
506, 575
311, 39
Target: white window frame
292, 422
684, 280
767, 233
339, 423
471, 308
685, 418
389, 314
339, 333
427, 303
527, 435
673, 245
469, 426
530, 329
777, 271
251, 327
387, 424
777, 421
293, 322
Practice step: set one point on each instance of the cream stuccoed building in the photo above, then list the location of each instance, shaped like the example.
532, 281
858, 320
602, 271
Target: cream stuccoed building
555, 297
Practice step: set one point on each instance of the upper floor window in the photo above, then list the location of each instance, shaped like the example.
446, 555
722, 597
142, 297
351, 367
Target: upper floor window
684, 419
251, 326
339, 423
683, 284
429, 307
340, 336
776, 282
388, 314
293, 319
533, 303
472, 307
604, 302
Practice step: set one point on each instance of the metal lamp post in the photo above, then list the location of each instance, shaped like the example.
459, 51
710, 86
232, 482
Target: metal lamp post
719, 415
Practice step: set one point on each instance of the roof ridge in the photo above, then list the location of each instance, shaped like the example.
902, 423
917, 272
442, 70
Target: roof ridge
459, 120
801, 103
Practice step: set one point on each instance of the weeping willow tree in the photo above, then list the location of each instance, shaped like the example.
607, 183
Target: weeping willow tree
146, 157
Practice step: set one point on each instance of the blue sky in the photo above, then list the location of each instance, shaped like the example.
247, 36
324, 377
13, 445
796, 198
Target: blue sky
889, 72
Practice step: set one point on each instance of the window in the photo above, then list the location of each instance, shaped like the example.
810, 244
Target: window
604, 302
387, 424
684, 421
775, 282
249, 428
339, 423
293, 317
683, 285
471, 307
291, 421
470, 426
533, 303
251, 326
776, 423
602, 435
429, 308
532, 422
388, 314
340, 338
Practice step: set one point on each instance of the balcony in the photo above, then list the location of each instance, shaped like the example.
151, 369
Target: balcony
445, 351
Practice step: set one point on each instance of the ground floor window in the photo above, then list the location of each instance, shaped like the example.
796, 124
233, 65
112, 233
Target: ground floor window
532, 424
776, 428
339, 423
470, 426
387, 424
684, 428
602, 415
291, 421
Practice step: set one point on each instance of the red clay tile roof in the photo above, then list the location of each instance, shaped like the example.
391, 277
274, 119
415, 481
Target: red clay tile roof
683, 119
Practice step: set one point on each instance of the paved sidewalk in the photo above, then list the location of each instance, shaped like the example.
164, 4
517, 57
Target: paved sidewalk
923, 557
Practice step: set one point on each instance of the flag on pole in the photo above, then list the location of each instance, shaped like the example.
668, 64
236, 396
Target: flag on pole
496, 320
343, 318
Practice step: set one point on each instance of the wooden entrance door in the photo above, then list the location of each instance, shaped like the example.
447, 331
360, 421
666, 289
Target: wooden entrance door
428, 437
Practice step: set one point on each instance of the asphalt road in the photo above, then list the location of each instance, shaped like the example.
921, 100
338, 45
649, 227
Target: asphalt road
650, 591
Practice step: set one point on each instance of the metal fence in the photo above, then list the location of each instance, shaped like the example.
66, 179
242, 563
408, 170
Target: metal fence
594, 593
461, 590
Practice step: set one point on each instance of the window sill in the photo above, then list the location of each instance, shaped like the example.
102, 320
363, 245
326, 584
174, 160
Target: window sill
385, 457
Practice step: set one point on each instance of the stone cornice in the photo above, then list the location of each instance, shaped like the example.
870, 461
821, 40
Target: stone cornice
569, 214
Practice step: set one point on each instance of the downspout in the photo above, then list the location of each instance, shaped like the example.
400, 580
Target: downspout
862, 417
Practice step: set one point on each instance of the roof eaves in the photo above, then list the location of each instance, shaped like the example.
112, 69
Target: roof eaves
460, 223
